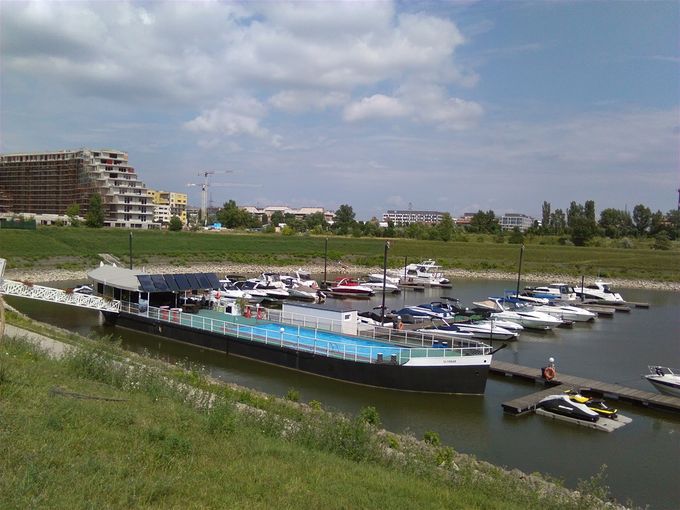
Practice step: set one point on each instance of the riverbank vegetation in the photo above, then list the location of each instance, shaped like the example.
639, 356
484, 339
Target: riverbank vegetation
79, 248
101, 427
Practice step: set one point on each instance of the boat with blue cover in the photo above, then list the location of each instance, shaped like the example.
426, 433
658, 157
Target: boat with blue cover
381, 357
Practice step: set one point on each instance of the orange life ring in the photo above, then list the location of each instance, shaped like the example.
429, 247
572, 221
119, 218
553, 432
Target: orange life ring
549, 373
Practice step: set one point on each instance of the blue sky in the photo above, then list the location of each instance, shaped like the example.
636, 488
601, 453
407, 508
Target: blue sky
453, 106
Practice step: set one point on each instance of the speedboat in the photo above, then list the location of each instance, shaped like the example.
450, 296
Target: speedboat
566, 312
305, 293
553, 291
486, 330
299, 277
424, 273
350, 287
599, 290
597, 405
254, 288
564, 406
390, 277
390, 288
665, 380
84, 289
434, 310
519, 313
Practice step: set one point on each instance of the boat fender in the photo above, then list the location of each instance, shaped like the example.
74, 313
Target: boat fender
218, 295
549, 373
400, 326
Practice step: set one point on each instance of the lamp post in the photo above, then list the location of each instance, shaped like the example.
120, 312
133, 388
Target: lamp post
325, 259
519, 272
130, 250
382, 310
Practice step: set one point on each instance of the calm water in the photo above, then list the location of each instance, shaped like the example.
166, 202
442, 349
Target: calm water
643, 458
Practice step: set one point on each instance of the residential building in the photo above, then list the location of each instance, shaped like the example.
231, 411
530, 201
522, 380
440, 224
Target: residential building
510, 221
466, 219
299, 213
400, 218
168, 204
50, 182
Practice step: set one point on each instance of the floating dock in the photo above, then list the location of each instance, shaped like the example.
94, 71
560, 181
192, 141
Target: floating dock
603, 424
562, 382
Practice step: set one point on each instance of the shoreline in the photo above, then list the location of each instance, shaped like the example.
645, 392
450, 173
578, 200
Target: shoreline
56, 275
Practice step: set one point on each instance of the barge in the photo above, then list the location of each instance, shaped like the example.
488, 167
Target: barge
174, 307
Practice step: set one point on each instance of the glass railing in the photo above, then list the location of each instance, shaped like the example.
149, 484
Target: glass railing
314, 340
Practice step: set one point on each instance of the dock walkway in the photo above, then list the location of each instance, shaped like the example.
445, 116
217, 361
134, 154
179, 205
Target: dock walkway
563, 382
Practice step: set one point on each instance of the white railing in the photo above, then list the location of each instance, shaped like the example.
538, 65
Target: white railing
309, 340
30, 291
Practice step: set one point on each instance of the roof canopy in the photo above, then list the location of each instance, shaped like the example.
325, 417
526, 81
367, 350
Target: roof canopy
135, 280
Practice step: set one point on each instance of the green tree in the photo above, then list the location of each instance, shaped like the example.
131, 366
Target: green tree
575, 211
344, 219
662, 242
589, 211
95, 212
615, 223
582, 230
642, 218
516, 237
445, 228
73, 211
545, 217
277, 218
232, 216
558, 222
175, 224
316, 219
673, 223
484, 222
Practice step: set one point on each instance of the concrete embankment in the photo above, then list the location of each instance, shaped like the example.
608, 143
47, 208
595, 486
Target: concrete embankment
53, 275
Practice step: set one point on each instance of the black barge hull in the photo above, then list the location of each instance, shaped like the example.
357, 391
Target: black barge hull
452, 379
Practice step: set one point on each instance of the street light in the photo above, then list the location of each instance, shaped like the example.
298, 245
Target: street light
382, 311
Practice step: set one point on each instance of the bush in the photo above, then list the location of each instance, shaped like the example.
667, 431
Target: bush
432, 438
293, 395
661, 242
370, 415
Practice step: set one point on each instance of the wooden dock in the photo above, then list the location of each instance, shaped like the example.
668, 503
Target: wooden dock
562, 382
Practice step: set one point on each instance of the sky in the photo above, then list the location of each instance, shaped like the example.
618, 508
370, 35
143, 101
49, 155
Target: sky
452, 106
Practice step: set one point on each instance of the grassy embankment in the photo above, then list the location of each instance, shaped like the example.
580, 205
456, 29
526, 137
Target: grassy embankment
104, 428
77, 248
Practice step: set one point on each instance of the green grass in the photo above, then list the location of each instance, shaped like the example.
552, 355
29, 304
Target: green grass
89, 432
78, 247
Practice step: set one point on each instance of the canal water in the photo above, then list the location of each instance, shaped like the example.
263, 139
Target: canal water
642, 459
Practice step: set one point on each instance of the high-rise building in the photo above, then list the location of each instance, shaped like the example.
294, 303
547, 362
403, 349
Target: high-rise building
168, 204
50, 182
510, 221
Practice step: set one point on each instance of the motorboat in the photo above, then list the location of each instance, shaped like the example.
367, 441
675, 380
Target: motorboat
564, 406
664, 379
434, 310
597, 405
450, 331
84, 289
390, 288
566, 312
350, 287
390, 277
425, 273
255, 288
299, 277
599, 290
305, 293
553, 292
486, 330
519, 313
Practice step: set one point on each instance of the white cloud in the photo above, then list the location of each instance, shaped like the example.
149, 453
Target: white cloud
297, 101
239, 115
376, 106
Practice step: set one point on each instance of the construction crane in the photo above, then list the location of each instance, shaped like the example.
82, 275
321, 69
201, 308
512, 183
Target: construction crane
206, 184
204, 191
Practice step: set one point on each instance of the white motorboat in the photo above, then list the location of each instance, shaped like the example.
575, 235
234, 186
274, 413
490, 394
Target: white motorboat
390, 277
664, 379
486, 330
519, 313
566, 312
425, 273
306, 293
390, 288
84, 289
599, 290
256, 288
300, 277
553, 292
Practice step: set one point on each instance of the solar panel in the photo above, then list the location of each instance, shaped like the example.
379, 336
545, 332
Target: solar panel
213, 280
159, 283
202, 280
193, 282
182, 282
146, 283
170, 281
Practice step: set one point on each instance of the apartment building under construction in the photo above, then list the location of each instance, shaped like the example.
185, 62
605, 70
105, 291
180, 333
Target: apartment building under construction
50, 182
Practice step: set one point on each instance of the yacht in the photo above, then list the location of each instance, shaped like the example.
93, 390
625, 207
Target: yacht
425, 273
665, 380
434, 310
553, 292
486, 330
390, 277
519, 313
599, 290
390, 288
566, 312
350, 287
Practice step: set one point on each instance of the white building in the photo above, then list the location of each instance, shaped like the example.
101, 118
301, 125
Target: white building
408, 217
510, 221
300, 213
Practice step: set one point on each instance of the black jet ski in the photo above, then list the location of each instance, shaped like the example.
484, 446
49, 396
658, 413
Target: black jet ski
564, 406
599, 406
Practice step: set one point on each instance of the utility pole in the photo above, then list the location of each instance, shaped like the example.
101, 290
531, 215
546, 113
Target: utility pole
382, 310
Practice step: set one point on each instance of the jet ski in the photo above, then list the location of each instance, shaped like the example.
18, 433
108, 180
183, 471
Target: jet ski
599, 406
564, 406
